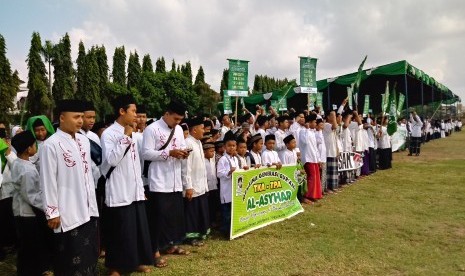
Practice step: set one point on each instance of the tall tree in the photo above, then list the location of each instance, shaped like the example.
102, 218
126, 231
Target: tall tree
186, 70
134, 70
160, 65
200, 78
102, 61
224, 81
173, 66
7, 83
92, 78
47, 53
81, 70
38, 99
63, 71
147, 65
119, 66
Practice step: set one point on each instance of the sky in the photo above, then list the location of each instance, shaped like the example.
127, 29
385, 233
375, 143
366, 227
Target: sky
270, 34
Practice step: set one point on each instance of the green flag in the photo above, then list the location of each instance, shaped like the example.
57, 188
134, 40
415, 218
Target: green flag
392, 124
349, 96
227, 104
366, 106
386, 98
358, 80
400, 103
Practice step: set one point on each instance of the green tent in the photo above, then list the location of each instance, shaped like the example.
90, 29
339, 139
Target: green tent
419, 89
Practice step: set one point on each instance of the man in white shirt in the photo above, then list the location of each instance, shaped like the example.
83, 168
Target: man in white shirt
88, 122
280, 134
415, 142
297, 126
164, 146
195, 186
127, 232
226, 125
332, 152
68, 193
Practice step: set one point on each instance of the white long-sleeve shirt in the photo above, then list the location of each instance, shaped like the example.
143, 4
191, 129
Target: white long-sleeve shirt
66, 180
416, 124
125, 183
6, 184
164, 173
26, 191
280, 146
95, 169
308, 146
269, 157
212, 181
194, 172
289, 157
330, 138
224, 166
320, 143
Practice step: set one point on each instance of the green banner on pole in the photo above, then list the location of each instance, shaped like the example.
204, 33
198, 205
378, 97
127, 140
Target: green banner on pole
366, 105
349, 96
238, 78
261, 197
282, 103
227, 104
319, 99
400, 103
274, 104
308, 75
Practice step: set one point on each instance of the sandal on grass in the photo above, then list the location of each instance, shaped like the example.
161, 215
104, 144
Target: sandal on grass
176, 250
160, 262
197, 243
143, 269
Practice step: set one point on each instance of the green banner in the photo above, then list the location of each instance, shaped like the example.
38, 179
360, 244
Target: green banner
366, 106
282, 103
385, 105
275, 105
261, 197
308, 75
227, 104
400, 103
238, 78
319, 99
349, 96
312, 100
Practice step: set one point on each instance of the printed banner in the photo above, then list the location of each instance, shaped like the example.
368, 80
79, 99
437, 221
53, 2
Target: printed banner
238, 78
400, 103
282, 103
349, 161
319, 99
227, 104
275, 105
349, 96
308, 75
263, 196
366, 105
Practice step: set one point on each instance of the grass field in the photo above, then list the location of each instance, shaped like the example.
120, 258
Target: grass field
409, 220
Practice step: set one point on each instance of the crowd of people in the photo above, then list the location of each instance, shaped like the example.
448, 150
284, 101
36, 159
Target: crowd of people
135, 190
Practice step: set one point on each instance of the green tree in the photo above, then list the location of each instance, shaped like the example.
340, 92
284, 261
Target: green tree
224, 81
173, 66
81, 70
147, 65
119, 66
200, 78
105, 107
92, 78
38, 99
48, 53
7, 83
134, 70
63, 71
186, 70
160, 65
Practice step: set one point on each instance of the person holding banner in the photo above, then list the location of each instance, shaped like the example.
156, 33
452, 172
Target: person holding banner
347, 146
384, 145
280, 134
417, 125
310, 157
332, 152
227, 164
269, 156
254, 156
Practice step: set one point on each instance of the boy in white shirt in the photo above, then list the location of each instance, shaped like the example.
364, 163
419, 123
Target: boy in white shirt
227, 164
269, 156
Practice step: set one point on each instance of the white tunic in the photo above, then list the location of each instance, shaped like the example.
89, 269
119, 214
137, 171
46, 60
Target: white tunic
330, 138
320, 143
6, 184
308, 147
384, 140
194, 172
95, 169
416, 124
66, 180
125, 183
289, 157
224, 166
26, 191
165, 171
269, 157
280, 146
211, 174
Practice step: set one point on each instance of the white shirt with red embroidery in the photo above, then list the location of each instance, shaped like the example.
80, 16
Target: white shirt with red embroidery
165, 171
125, 183
66, 180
